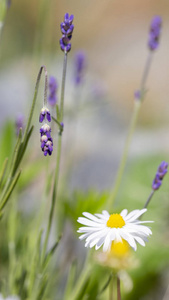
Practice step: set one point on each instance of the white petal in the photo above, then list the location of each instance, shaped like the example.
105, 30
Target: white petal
102, 217
136, 214
124, 213
128, 237
139, 240
85, 221
105, 213
107, 243
83, 236
137, 229
142, 222
91, 217
97, 234
89, 229
100, 243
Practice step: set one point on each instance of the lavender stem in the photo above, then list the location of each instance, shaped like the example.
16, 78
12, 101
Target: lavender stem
56, 176
118, 288
149, 198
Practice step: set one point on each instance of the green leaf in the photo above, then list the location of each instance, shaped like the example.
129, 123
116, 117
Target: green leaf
6, 141
70, 281
50, 253
21, 150
57, 112
10, 190
4, 167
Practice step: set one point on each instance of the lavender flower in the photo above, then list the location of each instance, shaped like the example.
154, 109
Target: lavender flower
8, 3
44, 113
19, 123
137, 95
46, 139
53, 86
154, 34
80, 61
162, 170
67, 30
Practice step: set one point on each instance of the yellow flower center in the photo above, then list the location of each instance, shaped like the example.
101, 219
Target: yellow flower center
119, 248
115, 221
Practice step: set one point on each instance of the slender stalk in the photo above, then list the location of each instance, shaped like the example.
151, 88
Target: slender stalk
149, 198
34, 98
63, 88
132, 126
125, 153
111, 289
59, 146
118, 288
146, 71
75, 295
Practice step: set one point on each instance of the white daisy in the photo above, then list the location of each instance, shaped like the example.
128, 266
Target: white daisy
102, 229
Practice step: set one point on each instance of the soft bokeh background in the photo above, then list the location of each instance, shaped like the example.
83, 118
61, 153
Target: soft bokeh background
114, 36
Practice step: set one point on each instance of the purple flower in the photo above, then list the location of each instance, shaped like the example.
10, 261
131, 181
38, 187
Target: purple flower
67, 30
137, 95
161, 171
19, 123
53, 86
154, 34
46, 139
80, 61
45, 113
156, 182
8, 3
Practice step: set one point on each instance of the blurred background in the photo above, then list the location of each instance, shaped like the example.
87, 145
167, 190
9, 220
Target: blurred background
113, 35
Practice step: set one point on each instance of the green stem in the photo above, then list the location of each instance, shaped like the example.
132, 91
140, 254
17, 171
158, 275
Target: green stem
56, 176
111, 289
118, 288
76, 293
35, 97
149, 198
125, 154
63, 88
137, 106
54, 195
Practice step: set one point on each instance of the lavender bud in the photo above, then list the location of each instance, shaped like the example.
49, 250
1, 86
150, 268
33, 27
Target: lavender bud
44, 113
19, 123
156, 182
161, 171
154, 34
8, 3
46, 139
80, 61
67, 30
53, 86
137, 95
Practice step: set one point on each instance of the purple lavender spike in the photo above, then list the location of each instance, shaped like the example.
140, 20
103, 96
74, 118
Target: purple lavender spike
53, 86
45, 113
161, 171
154, 34
156, 182
80, 62
19, 123
46, 140
67, 30
137, 95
